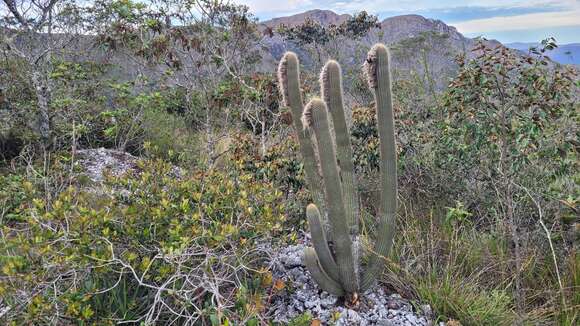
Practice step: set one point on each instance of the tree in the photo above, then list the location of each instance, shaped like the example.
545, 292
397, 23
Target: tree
35, 32
326, 42
205, 47
509, 133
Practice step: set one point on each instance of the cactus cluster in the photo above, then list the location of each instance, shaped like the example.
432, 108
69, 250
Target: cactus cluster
334, 261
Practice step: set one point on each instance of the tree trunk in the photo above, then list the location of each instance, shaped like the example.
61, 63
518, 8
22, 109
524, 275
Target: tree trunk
514, 223
209, 137
42, 90
263, 137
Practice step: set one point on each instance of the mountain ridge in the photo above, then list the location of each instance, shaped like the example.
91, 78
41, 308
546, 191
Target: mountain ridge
327, 17
564, 53
398, 28
419, 45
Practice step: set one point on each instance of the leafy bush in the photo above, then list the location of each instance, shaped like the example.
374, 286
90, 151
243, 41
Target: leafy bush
150, 246
509, 123
16, 106
12, 196
500, 152
281, 166
365, 140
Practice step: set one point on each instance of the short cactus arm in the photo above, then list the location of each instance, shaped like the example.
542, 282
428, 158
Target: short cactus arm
380, 81
317, 117
331, 86
289, 81
322, 279
321, 243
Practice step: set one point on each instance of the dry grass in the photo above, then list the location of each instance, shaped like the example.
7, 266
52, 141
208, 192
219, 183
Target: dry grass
466, 275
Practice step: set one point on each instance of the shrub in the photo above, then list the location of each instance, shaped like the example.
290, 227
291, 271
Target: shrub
500, 152
151, 246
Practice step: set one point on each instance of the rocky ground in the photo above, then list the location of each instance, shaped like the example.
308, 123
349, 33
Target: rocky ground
303, 296
96, 161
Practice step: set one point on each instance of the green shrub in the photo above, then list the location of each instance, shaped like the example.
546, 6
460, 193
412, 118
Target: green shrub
281, 166
508, 131
143, 247
280, 163
167, 135
12, 197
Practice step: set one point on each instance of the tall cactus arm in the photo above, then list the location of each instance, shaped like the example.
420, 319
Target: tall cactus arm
379, 77
321, 243
316, 116
289, 82
322, 279
331, 86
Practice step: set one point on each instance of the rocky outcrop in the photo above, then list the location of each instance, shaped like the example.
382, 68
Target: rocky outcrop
405, 26
95, 163
302, 295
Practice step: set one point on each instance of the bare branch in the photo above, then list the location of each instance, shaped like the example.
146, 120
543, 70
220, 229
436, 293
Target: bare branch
11, 4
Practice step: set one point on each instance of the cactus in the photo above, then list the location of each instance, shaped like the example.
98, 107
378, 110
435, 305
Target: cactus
334, 261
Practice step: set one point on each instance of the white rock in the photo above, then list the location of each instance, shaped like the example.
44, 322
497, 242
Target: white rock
307, 297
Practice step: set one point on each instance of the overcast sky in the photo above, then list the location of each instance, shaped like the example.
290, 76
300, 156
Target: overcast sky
504, 20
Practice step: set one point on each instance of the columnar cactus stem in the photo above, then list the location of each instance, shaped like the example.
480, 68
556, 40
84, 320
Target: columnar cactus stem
337, 271
379, 78
319, 275
331, 88
316, 112
289, 80
320, 242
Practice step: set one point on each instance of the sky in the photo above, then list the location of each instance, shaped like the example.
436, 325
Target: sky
504, 20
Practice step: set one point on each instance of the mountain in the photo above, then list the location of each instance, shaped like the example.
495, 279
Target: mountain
419, 46
564, 53
325, 17
422, 49
394, 28
408, 26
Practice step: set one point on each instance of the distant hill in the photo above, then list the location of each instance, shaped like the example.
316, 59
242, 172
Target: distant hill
564, 53
418, 44
394, 28
325, 17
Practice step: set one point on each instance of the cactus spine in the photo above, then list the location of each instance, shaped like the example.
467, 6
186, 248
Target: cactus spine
336, 268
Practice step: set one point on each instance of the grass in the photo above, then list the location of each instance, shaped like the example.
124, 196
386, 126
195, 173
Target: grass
455, 297
466, 273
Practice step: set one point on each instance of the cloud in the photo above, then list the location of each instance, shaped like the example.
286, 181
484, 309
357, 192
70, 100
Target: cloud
261, 7
521, 22
460, 14
271, 6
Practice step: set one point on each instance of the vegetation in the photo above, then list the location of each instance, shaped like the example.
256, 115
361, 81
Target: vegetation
486, 226
89, 255
325, 41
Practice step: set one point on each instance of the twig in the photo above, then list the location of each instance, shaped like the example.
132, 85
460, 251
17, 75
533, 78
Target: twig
549, 237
